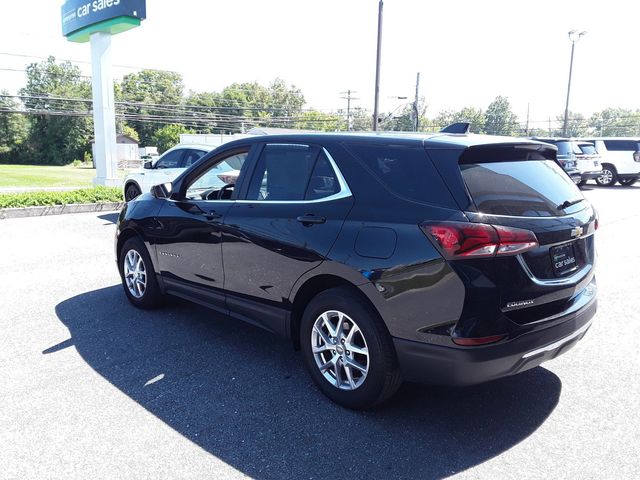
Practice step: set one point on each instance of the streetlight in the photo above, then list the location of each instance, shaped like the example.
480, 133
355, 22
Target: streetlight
574, 36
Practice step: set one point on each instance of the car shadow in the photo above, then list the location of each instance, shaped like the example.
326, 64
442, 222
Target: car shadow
243, 395
109, 217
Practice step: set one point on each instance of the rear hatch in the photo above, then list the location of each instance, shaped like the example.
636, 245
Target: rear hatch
588, 160
522, 187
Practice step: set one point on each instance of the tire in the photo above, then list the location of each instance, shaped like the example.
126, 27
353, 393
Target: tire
377, 377
138, 276
627, 182
609, 176
132, 191
582, 183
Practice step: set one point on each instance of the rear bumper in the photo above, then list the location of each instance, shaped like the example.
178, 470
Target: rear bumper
591, 175
460, 366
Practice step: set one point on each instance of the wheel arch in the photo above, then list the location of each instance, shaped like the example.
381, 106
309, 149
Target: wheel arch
123, 236
311, 287
128, 182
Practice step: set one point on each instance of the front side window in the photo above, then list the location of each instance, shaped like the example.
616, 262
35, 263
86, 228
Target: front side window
223, 173
170, 159
283, 173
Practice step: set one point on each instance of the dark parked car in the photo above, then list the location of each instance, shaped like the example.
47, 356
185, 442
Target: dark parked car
569, 153
447, 259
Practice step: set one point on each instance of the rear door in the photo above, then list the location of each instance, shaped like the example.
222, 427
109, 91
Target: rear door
284, 224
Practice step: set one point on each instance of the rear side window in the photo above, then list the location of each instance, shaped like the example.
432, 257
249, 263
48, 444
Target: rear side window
283, 172
405, 171
323, 182
524, 187
622, 145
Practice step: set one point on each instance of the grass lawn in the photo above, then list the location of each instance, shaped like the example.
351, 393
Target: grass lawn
45, 176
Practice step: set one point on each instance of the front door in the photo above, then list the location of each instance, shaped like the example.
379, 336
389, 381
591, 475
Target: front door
290, 216
189, 246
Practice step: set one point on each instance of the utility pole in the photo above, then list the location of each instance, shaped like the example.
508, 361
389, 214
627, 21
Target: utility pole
378, 52
348, 98
526, 131
416, 112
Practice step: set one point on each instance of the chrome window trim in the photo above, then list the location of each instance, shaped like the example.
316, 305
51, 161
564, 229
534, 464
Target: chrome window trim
344, 192
551, 217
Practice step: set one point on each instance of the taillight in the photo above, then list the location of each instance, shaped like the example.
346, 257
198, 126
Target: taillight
461, 239
636, 156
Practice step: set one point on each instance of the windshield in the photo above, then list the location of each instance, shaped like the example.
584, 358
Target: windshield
528, 188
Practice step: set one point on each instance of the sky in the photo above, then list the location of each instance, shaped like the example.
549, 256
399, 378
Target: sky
467, 51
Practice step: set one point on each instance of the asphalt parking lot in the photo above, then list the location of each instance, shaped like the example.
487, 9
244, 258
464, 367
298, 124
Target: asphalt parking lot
92, 388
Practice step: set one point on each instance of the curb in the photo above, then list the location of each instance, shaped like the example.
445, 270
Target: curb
23, 212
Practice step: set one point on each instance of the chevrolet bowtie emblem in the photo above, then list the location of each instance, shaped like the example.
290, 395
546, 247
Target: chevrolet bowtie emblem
577, 232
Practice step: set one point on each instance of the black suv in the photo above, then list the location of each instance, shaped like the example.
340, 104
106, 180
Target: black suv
448, 259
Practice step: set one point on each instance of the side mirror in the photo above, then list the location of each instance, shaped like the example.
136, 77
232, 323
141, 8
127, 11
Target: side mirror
147, 165
161, 191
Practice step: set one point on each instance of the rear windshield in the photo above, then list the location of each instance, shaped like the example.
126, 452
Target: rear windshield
588, 149
524, 188
567, 148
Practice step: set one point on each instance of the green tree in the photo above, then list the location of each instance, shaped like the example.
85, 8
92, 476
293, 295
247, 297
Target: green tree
14, 128
500, 120
148, 94
577, 125
130, 132
207, 109
168, 136
61, 125
360, 119
315, 120
616, 122
250, 104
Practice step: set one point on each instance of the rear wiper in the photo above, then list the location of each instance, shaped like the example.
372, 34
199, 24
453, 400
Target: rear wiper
568, 203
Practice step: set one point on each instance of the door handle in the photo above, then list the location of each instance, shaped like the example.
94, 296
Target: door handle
212, 215
310, 219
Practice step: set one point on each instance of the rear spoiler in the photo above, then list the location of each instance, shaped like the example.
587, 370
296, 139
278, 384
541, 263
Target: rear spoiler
460, 127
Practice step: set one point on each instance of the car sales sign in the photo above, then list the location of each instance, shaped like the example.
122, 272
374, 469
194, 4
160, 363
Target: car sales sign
81, 18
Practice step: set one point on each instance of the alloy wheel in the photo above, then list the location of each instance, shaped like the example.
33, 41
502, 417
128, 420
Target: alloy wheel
135, 274
606, 178
340, 350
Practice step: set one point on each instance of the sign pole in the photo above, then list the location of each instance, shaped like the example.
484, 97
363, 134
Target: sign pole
104, 111
95, 22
